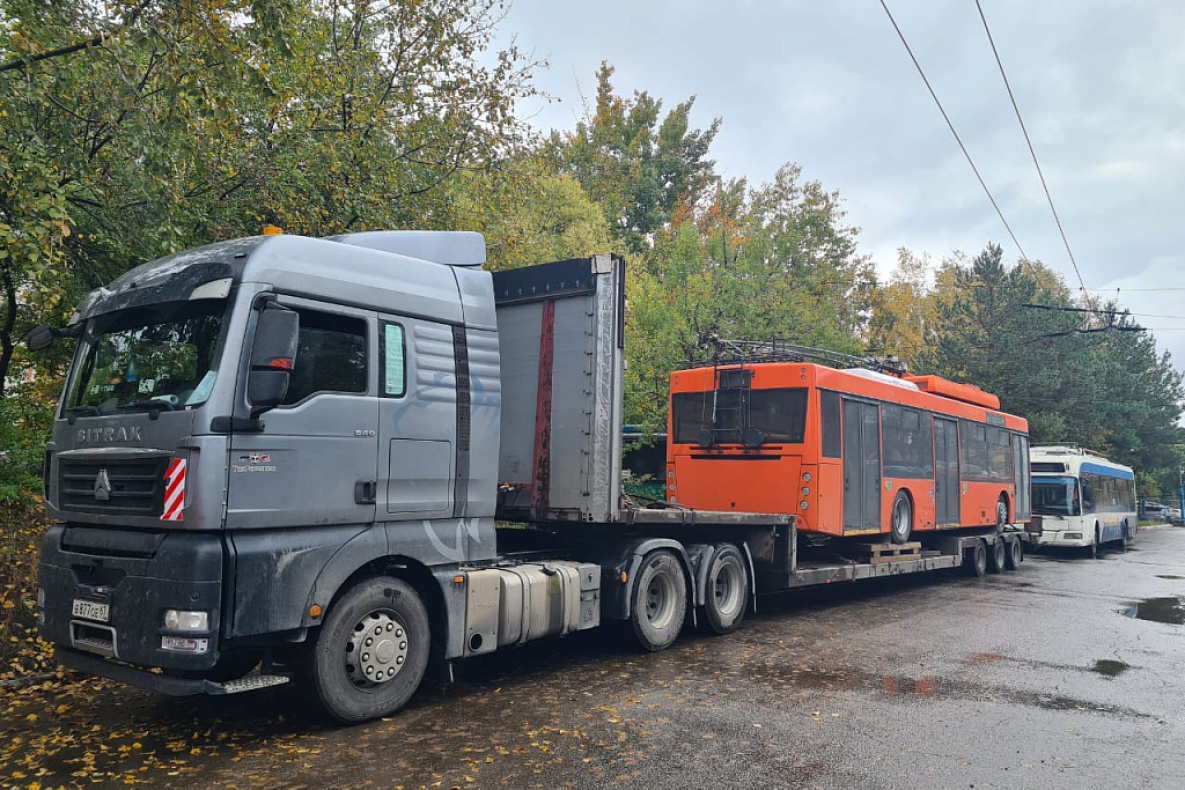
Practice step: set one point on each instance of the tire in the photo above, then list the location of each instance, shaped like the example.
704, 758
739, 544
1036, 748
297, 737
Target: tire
1001, 511
1094, 545
975, 559
658, 601
901, 518
1129, 537
726, 593
1015, 555
997, 555
378, 627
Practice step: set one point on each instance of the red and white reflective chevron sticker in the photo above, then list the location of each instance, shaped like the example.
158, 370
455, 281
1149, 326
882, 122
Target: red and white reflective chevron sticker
174, 491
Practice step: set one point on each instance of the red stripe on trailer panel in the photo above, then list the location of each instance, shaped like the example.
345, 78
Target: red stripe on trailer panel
541, 479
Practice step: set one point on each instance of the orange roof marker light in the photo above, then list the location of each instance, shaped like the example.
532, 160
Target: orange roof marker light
272, 230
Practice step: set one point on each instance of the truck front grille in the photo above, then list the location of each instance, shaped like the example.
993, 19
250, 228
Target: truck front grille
130, 486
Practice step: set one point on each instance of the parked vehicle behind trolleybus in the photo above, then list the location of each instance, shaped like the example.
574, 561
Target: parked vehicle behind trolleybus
1080, 499
848, 452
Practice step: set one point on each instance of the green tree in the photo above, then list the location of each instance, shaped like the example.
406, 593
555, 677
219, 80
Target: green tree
135, 129
1078, 373
638, 165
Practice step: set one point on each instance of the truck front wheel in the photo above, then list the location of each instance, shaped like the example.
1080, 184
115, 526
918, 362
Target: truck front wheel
659, 601
371, 653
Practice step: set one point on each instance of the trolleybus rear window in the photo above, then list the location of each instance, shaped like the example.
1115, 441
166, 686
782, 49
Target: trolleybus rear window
779, 414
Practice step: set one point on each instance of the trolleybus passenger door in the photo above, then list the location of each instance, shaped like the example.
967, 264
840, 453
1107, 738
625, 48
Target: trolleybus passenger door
861, 467
946, 472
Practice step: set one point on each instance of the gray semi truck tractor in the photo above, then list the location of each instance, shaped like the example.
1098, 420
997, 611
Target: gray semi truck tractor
283, 458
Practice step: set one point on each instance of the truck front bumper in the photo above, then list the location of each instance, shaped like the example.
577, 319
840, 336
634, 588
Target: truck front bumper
105, 591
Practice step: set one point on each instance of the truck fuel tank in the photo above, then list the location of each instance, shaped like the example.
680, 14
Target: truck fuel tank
521, 603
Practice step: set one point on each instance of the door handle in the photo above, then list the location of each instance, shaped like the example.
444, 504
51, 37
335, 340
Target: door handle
365, 491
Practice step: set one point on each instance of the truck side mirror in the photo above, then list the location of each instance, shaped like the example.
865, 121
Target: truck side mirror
273, 354
40, 337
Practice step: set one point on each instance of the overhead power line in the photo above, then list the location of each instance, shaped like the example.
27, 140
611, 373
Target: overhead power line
1032, 152
951, 126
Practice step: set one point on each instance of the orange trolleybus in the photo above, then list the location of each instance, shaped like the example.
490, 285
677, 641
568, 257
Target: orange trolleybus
850, 447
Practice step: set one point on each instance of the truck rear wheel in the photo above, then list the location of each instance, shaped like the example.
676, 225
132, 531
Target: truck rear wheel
659, 601
997, 556
975, 559
726, 594
371, 653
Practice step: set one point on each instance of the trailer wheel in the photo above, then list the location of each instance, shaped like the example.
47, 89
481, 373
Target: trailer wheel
659, 601
975, 559
726, 594
371, 653
1016, 554
997, 556
901, 524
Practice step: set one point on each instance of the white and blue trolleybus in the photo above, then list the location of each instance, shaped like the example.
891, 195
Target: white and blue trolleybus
1080, 499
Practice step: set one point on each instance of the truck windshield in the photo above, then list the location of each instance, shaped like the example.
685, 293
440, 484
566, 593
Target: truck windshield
161, 357
1055, 496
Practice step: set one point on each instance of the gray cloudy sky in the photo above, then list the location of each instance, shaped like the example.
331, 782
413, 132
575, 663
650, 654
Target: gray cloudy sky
1100, 84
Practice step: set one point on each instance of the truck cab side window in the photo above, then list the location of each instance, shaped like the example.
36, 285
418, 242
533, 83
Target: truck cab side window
330, 356
393, 361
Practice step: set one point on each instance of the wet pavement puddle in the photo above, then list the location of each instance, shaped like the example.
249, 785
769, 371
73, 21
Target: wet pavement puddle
1109, 668
1170, 609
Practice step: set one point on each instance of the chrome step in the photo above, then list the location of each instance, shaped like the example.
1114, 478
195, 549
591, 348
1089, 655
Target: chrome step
248, 683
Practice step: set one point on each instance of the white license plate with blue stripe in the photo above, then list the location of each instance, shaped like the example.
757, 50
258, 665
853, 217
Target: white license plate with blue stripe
91, 610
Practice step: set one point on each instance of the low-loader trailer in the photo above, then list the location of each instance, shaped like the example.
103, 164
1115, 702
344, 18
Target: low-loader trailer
283, 457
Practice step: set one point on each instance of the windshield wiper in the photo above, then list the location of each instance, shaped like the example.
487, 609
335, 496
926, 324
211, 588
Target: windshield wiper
74, 412
154, 407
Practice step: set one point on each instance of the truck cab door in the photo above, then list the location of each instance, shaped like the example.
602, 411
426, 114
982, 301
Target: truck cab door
418, 427
316, 460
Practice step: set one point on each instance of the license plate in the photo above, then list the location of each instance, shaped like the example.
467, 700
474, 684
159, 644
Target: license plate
91, 610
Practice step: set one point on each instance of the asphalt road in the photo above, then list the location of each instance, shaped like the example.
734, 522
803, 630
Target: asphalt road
1038, 678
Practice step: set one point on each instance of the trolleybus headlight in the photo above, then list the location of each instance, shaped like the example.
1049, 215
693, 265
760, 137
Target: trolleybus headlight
1073, 536
806, 477
806, 491
182, 620
804, 504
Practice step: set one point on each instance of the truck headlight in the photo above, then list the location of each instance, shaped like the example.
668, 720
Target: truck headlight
183, 620
184, 644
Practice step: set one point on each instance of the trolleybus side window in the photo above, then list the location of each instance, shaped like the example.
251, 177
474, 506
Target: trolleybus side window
974, 446
999, 454
832, 438
908, 447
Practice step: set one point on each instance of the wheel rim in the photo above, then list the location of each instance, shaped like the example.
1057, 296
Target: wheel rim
727, 592
660, 600
377, 649
1001, 513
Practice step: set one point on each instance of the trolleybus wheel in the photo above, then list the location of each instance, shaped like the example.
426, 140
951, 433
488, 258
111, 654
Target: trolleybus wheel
1094, 545
901, 525
975, 559
1015, 555
371, 653
659, 601
997, 555
726, 594
1001, 511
